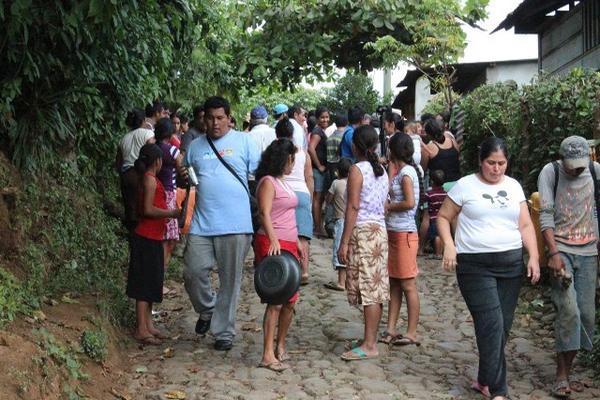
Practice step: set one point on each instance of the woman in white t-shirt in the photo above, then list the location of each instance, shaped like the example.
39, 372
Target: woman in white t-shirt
493, 227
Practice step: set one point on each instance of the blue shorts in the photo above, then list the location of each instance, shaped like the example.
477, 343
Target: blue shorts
337, 239
319, 178
432, 232
304, 219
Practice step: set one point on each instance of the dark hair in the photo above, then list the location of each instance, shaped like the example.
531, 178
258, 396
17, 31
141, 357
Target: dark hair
216, 102
183, 119
365, 141
491, 145
135, 118
396, 119
434, 130
175, 115
284, 129
425, 117
355, 115
438, 177
295, 109
164, 129
154, 108
321, 110
149, 153
199, 109
340, 119
274, 158
233, 121
343, 167
445, 116
402, 149
311, 123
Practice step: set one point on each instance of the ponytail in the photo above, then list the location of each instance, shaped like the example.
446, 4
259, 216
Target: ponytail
374, 161
418, 201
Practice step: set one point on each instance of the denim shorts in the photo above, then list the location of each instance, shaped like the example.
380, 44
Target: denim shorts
304, 219
319, 178
338, 229
575, 306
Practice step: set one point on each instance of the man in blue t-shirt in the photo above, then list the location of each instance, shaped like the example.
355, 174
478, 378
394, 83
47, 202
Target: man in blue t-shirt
221, 228
355, 116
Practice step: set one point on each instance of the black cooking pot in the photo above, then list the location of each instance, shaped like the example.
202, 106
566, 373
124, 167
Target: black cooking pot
277, 278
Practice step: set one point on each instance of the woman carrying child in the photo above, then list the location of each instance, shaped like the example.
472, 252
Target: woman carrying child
277, 203
363, 248
146, 260
403, 241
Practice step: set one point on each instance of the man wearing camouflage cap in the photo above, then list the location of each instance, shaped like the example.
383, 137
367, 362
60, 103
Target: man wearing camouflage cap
570, 229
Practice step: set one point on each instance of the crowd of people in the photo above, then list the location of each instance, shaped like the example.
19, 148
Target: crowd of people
386, 190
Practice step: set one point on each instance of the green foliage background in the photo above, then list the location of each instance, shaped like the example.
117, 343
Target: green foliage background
533, 119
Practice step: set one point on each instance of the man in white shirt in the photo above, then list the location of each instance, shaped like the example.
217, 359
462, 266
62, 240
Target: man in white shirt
262, 133
297, 116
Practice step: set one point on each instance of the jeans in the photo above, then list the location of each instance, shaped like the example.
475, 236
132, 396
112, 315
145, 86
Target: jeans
225, 253
575, 306
490, 284
337, 239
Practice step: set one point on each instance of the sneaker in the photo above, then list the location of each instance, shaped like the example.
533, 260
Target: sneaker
202, 326
223, 345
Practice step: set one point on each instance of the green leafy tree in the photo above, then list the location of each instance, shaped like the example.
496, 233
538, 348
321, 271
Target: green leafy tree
437, 40
353, 90
290, 40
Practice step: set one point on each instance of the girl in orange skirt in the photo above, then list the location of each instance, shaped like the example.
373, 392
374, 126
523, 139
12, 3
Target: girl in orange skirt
403, 240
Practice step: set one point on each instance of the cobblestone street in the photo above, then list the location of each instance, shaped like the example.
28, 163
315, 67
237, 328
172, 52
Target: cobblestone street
441, 368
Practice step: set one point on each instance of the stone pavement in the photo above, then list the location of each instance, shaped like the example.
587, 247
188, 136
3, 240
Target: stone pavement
441, 368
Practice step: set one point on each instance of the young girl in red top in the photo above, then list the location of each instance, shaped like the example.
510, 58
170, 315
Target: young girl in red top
146, 259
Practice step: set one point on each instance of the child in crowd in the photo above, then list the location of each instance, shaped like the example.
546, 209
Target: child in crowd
363, 247
146, 260
337, 198
435, 198
403, 241
277, 203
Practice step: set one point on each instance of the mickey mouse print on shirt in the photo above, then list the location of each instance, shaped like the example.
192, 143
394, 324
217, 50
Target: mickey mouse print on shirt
500, 200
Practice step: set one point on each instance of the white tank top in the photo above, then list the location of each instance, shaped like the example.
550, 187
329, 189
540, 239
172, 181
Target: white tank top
296, 178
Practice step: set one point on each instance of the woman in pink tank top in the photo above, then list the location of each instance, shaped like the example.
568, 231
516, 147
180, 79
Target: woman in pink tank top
277, 203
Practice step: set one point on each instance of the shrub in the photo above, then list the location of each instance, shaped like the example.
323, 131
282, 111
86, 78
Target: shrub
93, 343
490, 110
533, 119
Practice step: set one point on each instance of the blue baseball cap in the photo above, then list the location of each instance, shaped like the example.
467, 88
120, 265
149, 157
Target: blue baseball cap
259, 112
280, 109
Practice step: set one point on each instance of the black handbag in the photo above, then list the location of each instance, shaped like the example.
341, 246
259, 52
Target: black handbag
252, 200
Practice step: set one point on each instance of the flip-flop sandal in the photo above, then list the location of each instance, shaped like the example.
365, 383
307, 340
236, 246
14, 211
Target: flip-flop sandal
352, 344
577, 386
148, 340
388, 338
483, 389
405, 341
561, 389
275, 366
282, 357
304, 281
161, 336
334, 286
356, 354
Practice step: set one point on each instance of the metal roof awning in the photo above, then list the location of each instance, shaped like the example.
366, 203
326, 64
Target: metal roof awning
530, 14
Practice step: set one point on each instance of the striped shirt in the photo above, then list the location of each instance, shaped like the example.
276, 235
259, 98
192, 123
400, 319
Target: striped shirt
435, 197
